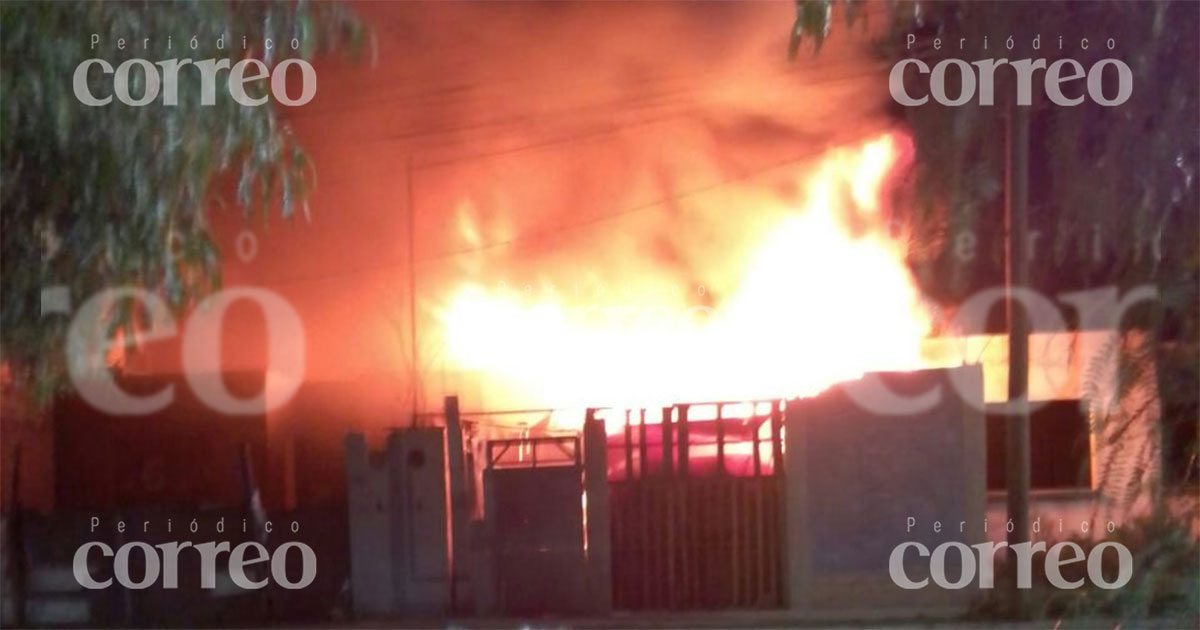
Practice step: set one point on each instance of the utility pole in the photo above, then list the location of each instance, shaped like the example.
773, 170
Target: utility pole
414, 380
1016, 277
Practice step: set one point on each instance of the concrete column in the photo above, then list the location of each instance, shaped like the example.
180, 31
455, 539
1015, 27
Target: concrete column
794, 543
483, 570
369, 507
460, 509
417, 469
599, 535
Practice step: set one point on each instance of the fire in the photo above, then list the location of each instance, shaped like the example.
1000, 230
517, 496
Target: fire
822, 296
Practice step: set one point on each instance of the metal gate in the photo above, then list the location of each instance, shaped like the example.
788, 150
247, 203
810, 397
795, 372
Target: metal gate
533, 490
695, 503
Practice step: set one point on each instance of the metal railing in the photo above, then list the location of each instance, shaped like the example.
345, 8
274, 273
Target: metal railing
534, 452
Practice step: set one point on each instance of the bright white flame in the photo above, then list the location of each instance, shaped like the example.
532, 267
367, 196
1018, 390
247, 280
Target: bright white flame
825, 297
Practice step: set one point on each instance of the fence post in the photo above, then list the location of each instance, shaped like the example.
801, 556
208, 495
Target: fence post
667, 448
683, 439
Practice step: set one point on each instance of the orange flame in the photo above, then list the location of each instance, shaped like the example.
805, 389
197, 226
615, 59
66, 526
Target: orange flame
823, 297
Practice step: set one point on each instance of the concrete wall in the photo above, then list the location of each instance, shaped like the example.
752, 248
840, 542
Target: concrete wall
398, 525
854, 477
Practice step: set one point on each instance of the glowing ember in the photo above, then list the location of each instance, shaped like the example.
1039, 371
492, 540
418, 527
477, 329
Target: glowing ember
823, 297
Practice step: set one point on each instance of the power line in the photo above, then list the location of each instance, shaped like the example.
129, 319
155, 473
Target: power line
653, 99
679, 114
379, 267
391, 265
627, 211
872, 71
475, 92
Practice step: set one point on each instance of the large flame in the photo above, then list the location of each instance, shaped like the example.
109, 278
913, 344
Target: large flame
823, 297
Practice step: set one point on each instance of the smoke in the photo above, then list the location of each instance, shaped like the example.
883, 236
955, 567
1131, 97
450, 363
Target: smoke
641, 148
589, 144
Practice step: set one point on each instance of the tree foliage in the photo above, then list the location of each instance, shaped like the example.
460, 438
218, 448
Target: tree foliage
1113, 190
117, 195
1127, 172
